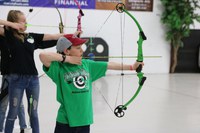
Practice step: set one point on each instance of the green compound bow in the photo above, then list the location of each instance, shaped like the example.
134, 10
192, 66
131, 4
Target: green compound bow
119, 110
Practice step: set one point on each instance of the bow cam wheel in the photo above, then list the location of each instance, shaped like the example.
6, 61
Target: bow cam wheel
119, 111
120, 7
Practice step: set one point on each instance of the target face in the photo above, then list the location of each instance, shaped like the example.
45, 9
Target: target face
96, 47
80, 82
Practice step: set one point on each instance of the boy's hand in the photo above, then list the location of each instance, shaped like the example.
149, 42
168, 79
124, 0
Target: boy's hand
136, 65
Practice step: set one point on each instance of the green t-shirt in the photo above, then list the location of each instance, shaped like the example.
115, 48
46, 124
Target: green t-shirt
74, 90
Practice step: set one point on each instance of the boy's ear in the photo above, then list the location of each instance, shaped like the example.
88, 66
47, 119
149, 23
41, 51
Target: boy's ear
66, 51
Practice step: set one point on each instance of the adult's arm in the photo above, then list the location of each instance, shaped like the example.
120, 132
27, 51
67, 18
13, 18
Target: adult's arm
47, 44
16, 26
57, 36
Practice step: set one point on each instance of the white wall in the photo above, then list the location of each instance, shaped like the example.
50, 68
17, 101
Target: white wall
155, 45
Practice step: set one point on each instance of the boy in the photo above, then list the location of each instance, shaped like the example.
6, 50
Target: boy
73, 77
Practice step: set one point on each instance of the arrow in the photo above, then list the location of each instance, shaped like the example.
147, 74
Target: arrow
34, 25
123, 57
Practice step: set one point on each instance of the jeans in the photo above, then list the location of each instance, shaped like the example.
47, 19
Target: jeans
4, 105
19, 83
65, 128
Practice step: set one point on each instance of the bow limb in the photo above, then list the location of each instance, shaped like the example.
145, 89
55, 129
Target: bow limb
119, 110
79, 17
61, 25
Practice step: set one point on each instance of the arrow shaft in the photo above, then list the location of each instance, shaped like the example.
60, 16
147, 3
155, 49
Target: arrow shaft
124, 57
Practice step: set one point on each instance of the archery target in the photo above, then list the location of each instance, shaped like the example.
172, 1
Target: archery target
96, 47
80, 82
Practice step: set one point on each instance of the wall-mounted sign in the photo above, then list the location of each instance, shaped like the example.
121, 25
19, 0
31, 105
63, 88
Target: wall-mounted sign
139, 5
134, 5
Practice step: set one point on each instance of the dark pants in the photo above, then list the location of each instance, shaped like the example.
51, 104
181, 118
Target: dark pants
17, 85
64, 128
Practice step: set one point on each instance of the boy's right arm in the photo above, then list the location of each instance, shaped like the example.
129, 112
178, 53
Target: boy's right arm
48, 57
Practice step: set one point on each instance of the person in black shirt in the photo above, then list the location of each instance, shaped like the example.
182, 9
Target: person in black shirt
4, 65
4, 88
23, 73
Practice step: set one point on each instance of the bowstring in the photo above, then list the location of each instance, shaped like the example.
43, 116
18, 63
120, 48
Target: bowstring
98, 89
104, 22
121, 82
100, 92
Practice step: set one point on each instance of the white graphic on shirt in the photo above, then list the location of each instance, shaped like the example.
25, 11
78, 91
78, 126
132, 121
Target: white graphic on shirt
30, 40
80, 81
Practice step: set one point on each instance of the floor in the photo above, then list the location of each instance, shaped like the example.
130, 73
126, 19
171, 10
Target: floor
167, 103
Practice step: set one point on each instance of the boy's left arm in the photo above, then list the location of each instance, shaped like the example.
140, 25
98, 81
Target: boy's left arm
119, 66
